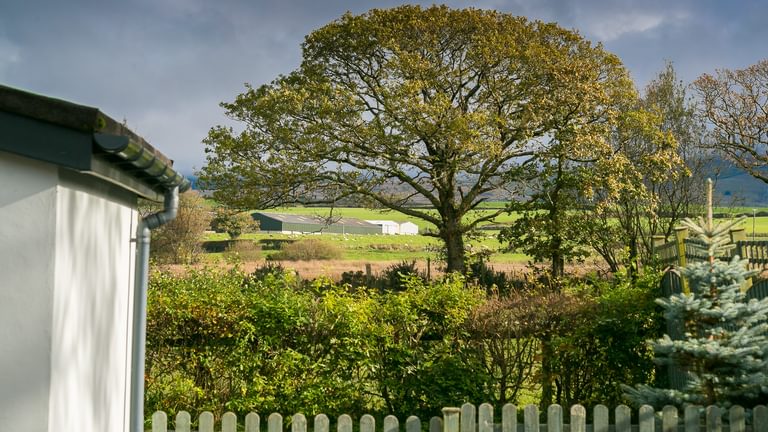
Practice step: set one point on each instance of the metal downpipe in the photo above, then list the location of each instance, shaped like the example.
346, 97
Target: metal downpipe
141, 282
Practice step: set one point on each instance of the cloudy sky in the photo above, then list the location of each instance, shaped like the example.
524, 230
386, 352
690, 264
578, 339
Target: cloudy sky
164, 65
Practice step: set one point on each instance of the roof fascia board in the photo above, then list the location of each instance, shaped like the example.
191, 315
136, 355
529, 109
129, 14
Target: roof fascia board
45, 142
106, 171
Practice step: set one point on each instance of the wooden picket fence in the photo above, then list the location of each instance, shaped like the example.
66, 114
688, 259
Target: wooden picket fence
468, 419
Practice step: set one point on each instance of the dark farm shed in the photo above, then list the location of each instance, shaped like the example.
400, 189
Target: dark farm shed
312, 224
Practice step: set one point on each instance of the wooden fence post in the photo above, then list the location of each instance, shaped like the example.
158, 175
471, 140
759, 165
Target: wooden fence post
205, 422
646, 419
760, 418
435, 424
623, 418
468, 418
601, 418
252, 422
739, 238
344, 423
367, 423
669, 419
451, 420
656, 242
736, 419
692, 419
509, 418
738, 234
412, 424
555, 418
714, 422
183, 422
391, 424
531, 418
229, 422
578, 419
681, 234
321, 423
485, 418
159, 422
274, 423
299, 423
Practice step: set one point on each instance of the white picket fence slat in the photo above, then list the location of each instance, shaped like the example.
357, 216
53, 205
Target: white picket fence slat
469, 419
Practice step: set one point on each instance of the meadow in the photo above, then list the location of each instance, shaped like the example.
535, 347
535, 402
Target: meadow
390, 248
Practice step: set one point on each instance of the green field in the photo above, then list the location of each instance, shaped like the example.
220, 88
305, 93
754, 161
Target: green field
384, 247
761, 222
419, 247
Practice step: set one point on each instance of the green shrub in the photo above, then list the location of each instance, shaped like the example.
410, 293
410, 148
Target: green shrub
395, 277
233, 222
244, 250
178, 241
307, 250
604, 346
225, 340
486, 276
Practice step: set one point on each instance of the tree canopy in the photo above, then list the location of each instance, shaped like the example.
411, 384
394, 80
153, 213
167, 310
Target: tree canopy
409, 107
736, 104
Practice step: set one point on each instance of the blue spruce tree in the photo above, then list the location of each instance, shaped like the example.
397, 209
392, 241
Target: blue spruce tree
725, 348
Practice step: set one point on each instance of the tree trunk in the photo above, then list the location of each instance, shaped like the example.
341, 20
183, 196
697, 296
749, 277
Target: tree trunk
558, 262
547, 354
454, 245
632, 269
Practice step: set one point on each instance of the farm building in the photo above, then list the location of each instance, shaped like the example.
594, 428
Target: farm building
392, 227
409, 228
299, 224
71, 241
386, 226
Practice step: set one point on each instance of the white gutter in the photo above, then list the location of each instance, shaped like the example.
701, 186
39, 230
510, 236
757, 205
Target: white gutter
143, 234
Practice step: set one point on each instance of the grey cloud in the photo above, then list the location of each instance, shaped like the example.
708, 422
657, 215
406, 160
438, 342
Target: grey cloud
164, 65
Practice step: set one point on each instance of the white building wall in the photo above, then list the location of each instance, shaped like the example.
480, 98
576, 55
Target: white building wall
66, 287
409, 228
27, 236
90, 355
387, 227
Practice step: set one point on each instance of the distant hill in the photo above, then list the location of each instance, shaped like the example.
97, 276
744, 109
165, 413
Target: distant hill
734, 187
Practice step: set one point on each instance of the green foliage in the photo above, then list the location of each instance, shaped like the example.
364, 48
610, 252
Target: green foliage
243, 250
725, 349
603, 345
683, 194
228, 341
233, 222
397, 276
419, 105
225, 341
178, 242
485, 276
425, 363
550, 234
574, 344
307, 250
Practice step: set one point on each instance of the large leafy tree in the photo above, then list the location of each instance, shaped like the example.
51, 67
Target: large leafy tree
406, 106
683, 193
736, 104
577, 196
